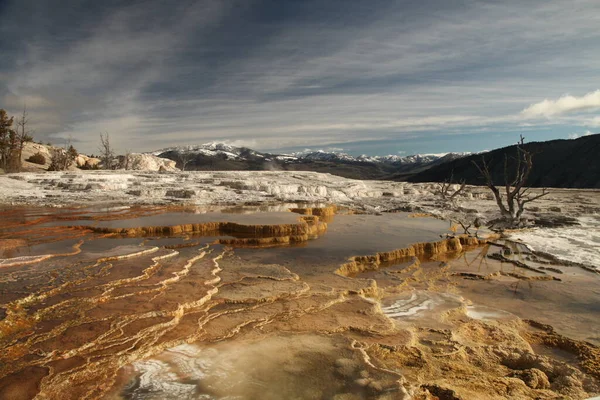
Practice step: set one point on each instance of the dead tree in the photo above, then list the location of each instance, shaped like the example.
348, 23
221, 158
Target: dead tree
516, 196
126, 160
62, 157
185, 157
446, 186
465, 225
107, 153
23, 135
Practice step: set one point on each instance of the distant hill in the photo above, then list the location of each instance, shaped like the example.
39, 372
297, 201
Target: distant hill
573, 163
224, 157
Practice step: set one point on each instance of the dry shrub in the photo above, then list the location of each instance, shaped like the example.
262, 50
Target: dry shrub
37, 158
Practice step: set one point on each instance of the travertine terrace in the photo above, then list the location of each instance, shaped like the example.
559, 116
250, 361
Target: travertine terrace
288, 285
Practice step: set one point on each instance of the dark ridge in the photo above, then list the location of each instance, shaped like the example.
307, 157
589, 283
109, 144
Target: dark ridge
573, 163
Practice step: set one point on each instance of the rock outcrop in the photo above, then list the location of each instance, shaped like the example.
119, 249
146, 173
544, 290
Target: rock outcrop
29, 149
84, 161
32, 148
146, 162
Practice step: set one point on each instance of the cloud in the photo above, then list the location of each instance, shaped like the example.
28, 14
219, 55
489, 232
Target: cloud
578, 135
250, 143
565, 104
279, 74
14, 102
594, 122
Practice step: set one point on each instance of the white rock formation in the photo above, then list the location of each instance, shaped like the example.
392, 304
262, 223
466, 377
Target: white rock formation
146, 162
29, 150
200, 187
82, 159
32, 148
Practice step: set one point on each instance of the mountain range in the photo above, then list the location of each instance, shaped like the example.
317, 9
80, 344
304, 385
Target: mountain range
569, 163
223, 156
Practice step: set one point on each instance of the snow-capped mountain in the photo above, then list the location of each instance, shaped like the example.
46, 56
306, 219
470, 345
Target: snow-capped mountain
241, 153
321, 155
212, 149
224, 156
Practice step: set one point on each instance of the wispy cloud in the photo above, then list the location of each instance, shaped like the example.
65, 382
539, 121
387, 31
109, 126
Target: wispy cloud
563, 105
593, 122
293, 74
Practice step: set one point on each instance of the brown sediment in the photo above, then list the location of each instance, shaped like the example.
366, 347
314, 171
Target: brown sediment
25, 260
528, 278
79, 332
23, 227
588, 355
312, 228
12, 219
469, 275
358, 264
265, 242
307, 225
423, 215
520, 264
18, 231
41, 235
328, 211
100, 340
182, 245
6, 244
474, 359
23, 385
555, 270
472, 276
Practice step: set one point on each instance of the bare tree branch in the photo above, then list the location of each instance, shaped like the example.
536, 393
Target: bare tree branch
447, 185
61, 158
513, 203
185, 157
107, 153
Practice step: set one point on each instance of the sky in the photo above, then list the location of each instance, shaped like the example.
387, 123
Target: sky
370, 77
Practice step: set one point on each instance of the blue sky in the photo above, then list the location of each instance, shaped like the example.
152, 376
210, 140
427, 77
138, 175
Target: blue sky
375, 77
